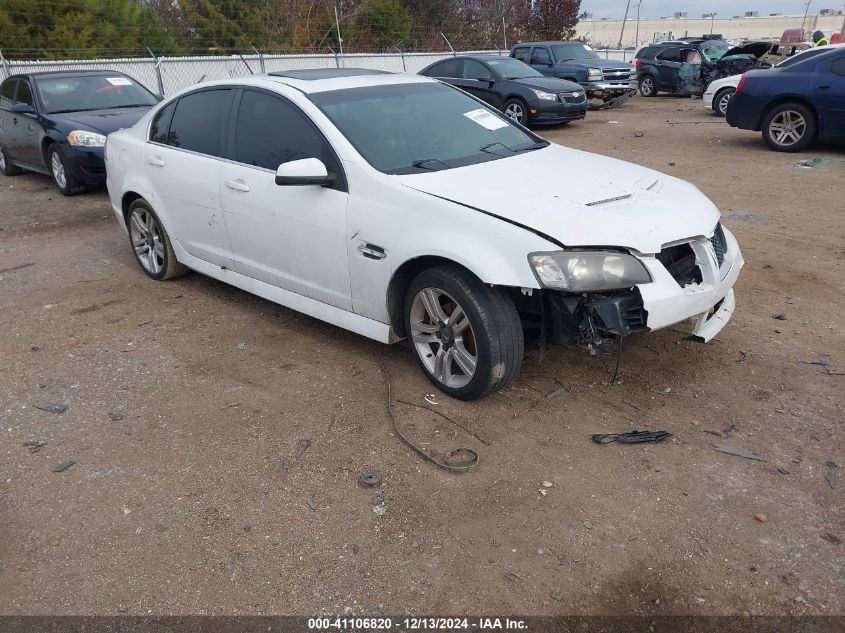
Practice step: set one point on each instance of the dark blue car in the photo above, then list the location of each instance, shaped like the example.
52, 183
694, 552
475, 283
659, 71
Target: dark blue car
56, 123
799, 101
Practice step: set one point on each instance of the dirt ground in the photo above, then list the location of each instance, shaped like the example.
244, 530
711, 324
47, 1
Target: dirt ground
218, 438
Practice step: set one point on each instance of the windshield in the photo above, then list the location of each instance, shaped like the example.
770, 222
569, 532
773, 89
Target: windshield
510, 68
99, 92
564, 52
713, 50
421, 127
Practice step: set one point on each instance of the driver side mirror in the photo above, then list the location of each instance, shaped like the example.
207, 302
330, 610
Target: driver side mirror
307, 171
487, 78
22, 108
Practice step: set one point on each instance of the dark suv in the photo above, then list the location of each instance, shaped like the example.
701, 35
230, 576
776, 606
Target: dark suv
687, 67
608, 80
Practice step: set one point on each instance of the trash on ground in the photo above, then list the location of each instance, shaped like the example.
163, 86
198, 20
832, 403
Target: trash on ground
783, 471
780, 316
738, 452
431, 398
819, 363
60, 468
762, 518
729, 430
34, 445
312, 503
633, 437
809, 163
831, 473
547, 484
116, 416
51, 407
369, 478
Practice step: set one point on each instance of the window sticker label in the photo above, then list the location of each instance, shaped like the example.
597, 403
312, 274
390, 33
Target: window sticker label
118, 81
485, 119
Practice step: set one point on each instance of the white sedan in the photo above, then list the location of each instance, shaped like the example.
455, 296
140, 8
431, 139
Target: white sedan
399, 207
718, 94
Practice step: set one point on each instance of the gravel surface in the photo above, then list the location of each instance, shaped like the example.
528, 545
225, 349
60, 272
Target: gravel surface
209, 454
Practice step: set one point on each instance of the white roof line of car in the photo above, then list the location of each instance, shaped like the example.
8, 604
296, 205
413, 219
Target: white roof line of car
324, 85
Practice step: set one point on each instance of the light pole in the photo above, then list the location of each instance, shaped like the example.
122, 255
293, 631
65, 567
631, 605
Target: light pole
806, 10
637, 35
712, 19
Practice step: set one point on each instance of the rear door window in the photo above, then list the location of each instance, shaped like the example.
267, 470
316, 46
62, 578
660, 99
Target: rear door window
540, 56
474, 70
838, 67
7, 94
448, 68
522, 54
671, 55
24, 94
200, 120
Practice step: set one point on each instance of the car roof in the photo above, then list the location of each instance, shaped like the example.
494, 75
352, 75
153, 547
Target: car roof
547, 43
323, 79
71, 73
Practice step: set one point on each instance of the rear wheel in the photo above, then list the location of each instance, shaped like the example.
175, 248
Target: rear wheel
467, 336
647, 86
516, 110
6, 166
721, 100
789, 127
66, 183
151, 244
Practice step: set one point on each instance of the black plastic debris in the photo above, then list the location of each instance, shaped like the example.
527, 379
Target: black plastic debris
60, 468
34, 445
831, 473
738, 452
633, 437
50, 407
369, 478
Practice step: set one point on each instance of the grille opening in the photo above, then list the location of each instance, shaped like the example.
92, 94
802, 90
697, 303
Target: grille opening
680, 262
720, 244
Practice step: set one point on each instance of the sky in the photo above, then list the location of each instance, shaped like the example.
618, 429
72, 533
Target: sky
723, 8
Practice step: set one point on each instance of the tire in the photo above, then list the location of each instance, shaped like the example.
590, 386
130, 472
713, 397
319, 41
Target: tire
6, 166
516, 110
453, 320
151, 243
647, 86
721, 100
66, 183
789, 127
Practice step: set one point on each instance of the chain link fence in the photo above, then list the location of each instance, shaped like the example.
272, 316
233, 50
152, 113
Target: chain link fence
166, 75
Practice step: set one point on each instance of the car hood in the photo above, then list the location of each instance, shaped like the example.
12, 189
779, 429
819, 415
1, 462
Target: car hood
757, 49
596, 63
577, 198
548, 83
102, 121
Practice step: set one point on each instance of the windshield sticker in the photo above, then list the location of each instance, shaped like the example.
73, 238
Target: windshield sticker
485, 119
118, 81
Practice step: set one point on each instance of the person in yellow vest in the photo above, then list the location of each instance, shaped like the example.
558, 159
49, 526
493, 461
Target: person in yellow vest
820, 39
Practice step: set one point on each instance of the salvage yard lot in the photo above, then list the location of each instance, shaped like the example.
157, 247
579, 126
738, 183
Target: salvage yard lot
218, 438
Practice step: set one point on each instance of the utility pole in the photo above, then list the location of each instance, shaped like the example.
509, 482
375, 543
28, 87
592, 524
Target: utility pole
505, 31
637, 35
624, 20
806, 10
337, 25
712, 19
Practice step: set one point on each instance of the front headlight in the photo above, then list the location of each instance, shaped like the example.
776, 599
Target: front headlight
594, 74
83, 138
547, 96
588, 271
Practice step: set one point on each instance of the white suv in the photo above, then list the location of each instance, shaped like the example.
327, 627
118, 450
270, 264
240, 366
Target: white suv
398, 207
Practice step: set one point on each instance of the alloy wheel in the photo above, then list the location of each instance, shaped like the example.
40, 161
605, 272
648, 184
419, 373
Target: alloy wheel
646, 86
146, 240
443, 337
58, 170
788, 128
2, 160
724, 100
515, 112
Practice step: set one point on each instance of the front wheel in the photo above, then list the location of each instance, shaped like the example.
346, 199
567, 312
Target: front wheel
65, 181
789, 127
467, 336
721, 100
647, 86
151, 244
516, 110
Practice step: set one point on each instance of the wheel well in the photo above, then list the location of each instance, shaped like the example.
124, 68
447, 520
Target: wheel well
402, 279
128, 198
791, 99
516, 97
46, 142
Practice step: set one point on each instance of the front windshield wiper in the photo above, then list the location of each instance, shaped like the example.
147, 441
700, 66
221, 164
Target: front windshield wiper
74, 110
486, 148
537, 145
424, 162
131, 105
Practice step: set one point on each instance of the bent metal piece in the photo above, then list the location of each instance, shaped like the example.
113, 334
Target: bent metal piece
634, 437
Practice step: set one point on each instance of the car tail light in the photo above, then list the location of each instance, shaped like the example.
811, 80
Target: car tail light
741, 83
637, 63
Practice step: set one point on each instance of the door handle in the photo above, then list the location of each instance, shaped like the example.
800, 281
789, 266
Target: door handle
823, 87
237, 185
155, 162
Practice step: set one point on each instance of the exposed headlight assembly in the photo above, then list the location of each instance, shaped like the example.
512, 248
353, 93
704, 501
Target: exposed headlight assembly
594, 74
83, 138
588, 271
547, 96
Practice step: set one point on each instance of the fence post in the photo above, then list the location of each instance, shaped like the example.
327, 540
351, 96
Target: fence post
404, 68
4, 65
260, 60
158, 72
